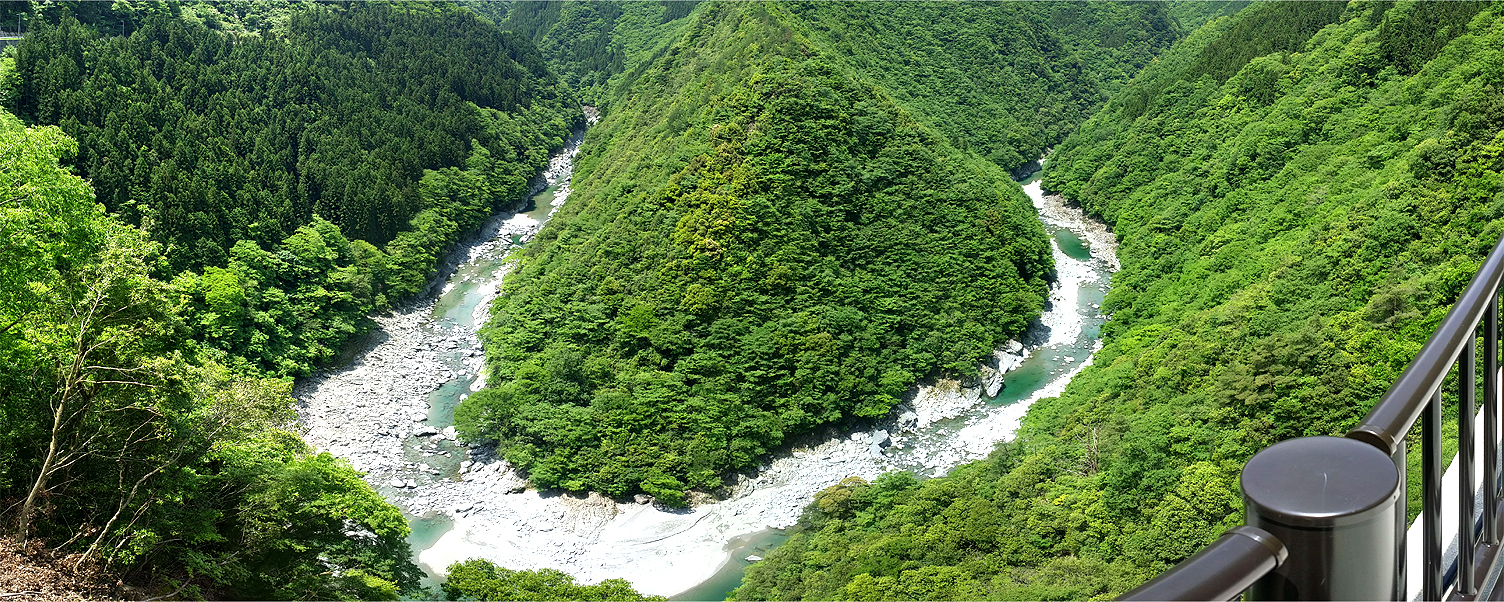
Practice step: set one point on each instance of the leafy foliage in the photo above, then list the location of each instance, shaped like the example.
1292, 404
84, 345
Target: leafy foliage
168, 466
949, 538
759, 244
1193, 14
404, 126
1290, 235
480, 580
215, 139
1005, 80
595, 47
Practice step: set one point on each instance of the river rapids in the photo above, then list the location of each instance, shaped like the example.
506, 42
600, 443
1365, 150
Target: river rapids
389, 410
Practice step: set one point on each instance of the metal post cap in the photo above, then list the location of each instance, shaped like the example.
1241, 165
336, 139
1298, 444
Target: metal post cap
1319, 482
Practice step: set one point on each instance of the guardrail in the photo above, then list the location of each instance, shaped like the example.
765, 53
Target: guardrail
1325, 516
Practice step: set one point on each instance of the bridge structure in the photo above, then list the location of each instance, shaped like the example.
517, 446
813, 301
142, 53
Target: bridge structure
1326, 517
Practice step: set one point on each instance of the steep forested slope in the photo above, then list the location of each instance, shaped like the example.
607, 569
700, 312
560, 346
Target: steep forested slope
1300, 192
116, 442
246, 137
759, 244
1004, 79
278, 162
1192, 14
139, 424
594, 47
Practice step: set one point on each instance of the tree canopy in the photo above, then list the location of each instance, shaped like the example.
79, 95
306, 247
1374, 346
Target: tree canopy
759, 244
481, 580
1300, 192
121, 443
304, 175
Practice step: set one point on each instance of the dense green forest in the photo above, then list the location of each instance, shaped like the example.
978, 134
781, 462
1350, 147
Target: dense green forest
595, 47
116, 441
759, 244
1004, 80
789, 214
1300, 192
482, 580
197, 201
302, 176
766, 241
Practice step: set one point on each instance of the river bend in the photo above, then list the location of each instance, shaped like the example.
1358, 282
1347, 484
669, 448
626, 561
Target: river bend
390, 409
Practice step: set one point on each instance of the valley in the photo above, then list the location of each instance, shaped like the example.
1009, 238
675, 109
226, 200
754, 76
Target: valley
424, 364
708, 300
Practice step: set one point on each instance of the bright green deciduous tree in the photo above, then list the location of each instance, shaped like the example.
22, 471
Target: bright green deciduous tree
476, 579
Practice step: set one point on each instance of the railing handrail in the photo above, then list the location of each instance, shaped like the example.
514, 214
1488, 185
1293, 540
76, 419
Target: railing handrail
1395, 414
1219, 571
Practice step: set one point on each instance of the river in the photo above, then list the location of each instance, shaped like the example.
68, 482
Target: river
388, 409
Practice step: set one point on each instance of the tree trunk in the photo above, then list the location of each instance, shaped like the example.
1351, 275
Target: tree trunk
41, 483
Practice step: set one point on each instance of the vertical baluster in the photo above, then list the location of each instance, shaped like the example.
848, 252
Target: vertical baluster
1490, 419
1430, 479
1466, 404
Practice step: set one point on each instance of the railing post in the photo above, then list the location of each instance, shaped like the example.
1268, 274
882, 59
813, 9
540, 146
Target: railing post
1431, 586
1490, 418
1466, 382
1401, 523
1332, 502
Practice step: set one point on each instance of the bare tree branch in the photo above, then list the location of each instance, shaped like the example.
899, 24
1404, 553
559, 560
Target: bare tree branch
118, 382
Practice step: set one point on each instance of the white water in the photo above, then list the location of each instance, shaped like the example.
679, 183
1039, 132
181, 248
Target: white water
412, 374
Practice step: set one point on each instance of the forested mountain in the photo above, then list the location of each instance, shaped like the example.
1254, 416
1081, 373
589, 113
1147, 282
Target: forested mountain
595, 47
1300, 192
1004, 80
789, 214
145, 413
246, 137
701, 346
1192, 14
401, 125
116, 443
759, 244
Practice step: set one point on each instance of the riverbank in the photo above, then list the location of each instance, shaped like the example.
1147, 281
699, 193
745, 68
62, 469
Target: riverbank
389, 412
386, 410
666, 551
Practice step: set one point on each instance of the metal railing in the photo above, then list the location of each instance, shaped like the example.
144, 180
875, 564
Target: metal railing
1325, 516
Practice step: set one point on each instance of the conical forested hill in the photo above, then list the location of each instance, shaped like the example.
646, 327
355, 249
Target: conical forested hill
759, 244
776, 228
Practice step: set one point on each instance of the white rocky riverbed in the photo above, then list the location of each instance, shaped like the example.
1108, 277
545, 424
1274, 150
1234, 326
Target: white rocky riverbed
386, 413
